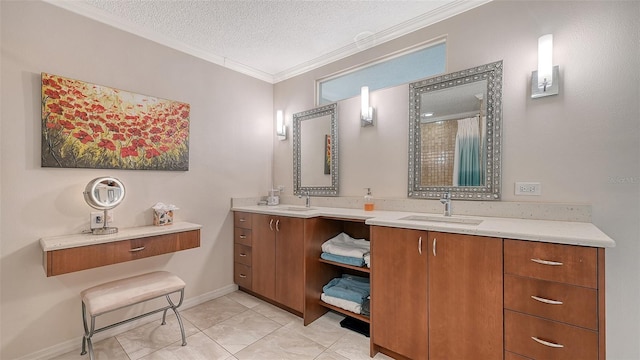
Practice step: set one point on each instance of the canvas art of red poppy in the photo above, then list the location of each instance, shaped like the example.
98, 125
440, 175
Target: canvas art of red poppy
92, 126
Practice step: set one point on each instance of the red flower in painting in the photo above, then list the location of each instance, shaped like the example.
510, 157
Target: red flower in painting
65, 104
118, 136
55, 108
81, 114
98, 108
83, 136
155, 138
107, 144
151, 153
96, 128
67, 124
112, 127
155, 130
52, 94
128, 151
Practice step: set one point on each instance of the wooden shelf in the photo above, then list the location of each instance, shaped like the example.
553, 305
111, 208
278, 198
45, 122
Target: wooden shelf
345, 312
357, 268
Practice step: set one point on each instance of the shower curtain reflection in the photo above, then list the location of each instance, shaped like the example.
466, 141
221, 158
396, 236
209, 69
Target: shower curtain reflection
467, 163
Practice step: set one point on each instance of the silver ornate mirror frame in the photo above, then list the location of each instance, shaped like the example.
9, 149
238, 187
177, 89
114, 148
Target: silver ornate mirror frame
491, 186
298, 184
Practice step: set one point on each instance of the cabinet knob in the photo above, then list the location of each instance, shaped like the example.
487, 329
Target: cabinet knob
242, 255
242, 220
243, 236
242, 276
137, 249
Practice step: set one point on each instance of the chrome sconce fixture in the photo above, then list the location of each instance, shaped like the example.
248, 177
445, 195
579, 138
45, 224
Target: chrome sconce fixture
281, 128
544, 81
366, 111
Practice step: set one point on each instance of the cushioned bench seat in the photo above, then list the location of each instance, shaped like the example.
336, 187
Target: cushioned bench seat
121, 293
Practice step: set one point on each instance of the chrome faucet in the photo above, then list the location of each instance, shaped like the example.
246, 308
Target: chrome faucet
307, 201
446, 200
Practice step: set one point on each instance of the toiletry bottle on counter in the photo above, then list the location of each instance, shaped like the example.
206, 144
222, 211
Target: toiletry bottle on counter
273, 198
368, 201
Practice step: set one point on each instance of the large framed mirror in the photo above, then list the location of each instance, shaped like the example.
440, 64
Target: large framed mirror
315, 151
455, 134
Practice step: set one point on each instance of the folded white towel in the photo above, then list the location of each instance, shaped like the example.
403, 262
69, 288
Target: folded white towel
345, 245
367, 259
352, 306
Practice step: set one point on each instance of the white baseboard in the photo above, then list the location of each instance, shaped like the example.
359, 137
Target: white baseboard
74, 344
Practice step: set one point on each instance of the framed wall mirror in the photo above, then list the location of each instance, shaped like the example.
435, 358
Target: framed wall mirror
455, 134
315, 151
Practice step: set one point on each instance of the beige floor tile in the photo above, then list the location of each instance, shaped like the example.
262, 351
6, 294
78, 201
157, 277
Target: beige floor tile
281, 344
213, 312
238, 332
274, 313
325, 331
352, 345
244, 299
199, 347
330, 355
107, 349
150, 337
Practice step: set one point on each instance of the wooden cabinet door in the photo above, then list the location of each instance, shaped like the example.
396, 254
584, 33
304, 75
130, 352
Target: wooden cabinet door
465, 297
263, 255
289, 280
399, 291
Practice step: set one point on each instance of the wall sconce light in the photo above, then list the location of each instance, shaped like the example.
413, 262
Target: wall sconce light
544, 82
366, 111
281, 128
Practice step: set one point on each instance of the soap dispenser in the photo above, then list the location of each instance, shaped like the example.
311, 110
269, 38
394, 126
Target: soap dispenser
368, 201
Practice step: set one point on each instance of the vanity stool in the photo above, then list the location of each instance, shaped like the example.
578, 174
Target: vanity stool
118, 294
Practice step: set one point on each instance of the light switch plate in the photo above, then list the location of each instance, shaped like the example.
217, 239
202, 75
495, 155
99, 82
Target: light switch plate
96, 219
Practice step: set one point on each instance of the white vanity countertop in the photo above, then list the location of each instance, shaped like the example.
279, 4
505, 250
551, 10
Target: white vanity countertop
561, 232
76, 240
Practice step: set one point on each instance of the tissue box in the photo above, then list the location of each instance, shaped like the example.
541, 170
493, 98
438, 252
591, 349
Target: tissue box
163, 217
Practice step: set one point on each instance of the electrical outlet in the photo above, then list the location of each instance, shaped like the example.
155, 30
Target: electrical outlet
96, 219
528, 188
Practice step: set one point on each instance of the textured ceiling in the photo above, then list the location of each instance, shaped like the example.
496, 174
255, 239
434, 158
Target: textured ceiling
270, 40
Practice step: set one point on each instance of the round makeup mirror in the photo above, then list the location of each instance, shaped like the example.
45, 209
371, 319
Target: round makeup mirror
104, 193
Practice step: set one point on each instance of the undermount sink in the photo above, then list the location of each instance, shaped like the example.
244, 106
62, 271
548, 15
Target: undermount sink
443, 219
297, 208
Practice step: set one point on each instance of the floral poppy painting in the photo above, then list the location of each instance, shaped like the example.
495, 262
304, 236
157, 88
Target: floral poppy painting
91, 126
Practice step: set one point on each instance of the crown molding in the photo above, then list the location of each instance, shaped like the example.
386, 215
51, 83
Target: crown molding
444, 12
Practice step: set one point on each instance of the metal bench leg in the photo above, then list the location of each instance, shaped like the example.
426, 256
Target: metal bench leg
88, 333
175, 310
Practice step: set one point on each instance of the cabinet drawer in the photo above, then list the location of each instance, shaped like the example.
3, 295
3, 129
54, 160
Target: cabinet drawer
92, 256
569, 264
242, 254
242, 275
563, 341
242, 236
242, 220
570, 304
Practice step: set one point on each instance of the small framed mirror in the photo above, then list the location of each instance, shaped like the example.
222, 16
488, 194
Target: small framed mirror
315, 151
455, 135
104, 193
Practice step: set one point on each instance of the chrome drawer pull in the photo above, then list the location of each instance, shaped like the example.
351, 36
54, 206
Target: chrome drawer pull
546, 301
242, 219
420, 245
243, 276
546, 343
546, 262
278, 225
243, 236
435, 241
271, 224
137, 249
243, 255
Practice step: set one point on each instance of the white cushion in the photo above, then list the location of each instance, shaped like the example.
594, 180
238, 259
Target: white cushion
124, 292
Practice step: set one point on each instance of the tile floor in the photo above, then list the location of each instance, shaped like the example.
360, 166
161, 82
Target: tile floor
236, 326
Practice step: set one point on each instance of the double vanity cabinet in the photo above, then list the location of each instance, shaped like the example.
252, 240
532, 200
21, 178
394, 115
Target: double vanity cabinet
504, 289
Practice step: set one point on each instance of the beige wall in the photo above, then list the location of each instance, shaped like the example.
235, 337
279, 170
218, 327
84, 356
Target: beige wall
230, 155
583, 145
